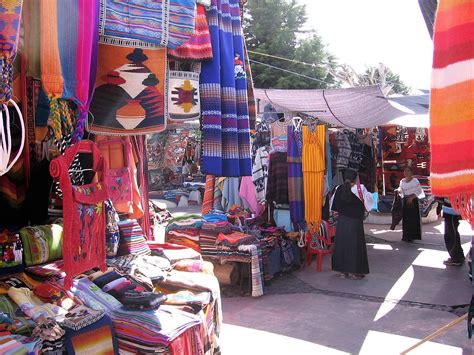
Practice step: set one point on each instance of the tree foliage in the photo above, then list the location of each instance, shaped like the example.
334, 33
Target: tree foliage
274, 27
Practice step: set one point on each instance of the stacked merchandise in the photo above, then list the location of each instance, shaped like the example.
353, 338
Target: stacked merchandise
185, 231
210, 231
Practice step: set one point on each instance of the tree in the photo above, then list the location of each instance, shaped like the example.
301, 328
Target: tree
275, 27
389, 82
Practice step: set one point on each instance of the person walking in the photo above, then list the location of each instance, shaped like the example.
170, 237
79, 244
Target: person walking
410, 191
452, 238
351, 200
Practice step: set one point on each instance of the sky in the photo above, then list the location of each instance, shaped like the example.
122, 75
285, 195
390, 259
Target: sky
368, 32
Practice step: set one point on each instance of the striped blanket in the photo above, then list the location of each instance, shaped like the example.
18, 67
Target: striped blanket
224, 103
451, 107
142, 24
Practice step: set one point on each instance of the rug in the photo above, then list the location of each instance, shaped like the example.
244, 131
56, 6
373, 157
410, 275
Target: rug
183, 98
130, 91
225, 119
451, 108
148, 23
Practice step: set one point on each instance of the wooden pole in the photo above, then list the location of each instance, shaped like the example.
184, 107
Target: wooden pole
436, 333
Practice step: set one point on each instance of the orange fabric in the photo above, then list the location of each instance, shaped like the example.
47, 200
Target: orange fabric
51, 75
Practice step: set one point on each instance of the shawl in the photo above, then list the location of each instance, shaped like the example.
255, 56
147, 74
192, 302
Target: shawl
10, 15
277, 190
130, 91
147, 24
313, 157
257, 284
224, 103
69, 57
451, 106
198, 48
295, 178
208, 200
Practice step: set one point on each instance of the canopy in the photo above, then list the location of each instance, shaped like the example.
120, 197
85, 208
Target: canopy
358, 107
419, 104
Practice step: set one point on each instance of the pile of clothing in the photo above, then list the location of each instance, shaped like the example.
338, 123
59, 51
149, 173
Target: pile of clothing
185, 231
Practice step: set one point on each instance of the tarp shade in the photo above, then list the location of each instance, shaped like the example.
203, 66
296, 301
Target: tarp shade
359, 107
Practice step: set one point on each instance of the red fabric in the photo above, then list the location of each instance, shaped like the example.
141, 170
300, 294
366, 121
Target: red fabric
83, 213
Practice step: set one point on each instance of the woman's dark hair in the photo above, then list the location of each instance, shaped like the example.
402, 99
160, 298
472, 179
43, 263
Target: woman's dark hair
409, 168
350, 177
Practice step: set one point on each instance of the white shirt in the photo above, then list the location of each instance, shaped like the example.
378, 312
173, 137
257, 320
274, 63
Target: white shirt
411, 188
368, 197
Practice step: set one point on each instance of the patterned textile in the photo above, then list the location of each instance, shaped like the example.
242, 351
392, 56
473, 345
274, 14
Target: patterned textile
42, 243
260, 173
198, 47
295, 178
148, 23
112, 232
314, 164
84, 213
52, 270
10, 15
208, 200
277, 190
250, 91
11, 251
225, 120
69, 55
451, 108
257, 286
129, 97
132, 239
194, 266
19, 344
97, 338
16, 321
183, 97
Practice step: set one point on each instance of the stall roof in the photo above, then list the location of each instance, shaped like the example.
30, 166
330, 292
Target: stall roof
358, 107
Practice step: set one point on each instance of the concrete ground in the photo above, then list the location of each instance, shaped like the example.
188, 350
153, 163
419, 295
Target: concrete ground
408, 295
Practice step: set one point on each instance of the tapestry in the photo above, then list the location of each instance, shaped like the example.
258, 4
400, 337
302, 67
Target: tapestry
224, 102
10, 15
451, 106
198, 47
183, 97
83, 213
129, 98
147, 24
42, 243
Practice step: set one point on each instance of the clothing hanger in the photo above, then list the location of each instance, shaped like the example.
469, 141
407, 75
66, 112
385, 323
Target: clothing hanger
6, 139
297, 121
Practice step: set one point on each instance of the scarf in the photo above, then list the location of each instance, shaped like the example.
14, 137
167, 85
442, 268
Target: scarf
295, 178
225, 119
451, 108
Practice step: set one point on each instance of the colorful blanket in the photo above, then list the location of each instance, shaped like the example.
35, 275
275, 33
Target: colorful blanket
147, 23
225, 119
130, 91
451, 106
42, 243
183, 98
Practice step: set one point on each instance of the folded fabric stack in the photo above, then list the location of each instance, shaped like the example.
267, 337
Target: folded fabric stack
209, 234
132, 239
185, 231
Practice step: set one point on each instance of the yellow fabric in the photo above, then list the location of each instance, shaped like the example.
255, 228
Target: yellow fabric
314, 164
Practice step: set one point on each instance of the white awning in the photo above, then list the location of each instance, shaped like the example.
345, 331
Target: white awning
358, 107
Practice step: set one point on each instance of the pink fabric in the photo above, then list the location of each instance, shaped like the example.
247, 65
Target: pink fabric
248, 194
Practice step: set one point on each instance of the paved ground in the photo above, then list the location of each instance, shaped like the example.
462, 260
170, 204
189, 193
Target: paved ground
408, 295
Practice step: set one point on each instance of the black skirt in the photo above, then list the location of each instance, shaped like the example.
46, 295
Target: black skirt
350, 252
411, 221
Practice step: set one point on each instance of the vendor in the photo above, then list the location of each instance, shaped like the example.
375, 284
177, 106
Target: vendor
410, 191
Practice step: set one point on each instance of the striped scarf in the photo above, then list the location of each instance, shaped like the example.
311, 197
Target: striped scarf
10, 15
225, 119
69, 39
295, 178
451, 107
208, 200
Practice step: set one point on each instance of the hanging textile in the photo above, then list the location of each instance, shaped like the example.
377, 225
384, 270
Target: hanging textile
250, 91
277, 187
295, 178
68, 61
147, 24
451, 106
208, 200
313, 157
198, 48
183, 97
129, 96
84, 213
10, 15
328, 162
225, 120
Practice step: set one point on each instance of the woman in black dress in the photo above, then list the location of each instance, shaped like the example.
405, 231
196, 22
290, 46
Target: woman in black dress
351, 201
